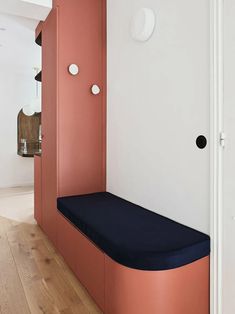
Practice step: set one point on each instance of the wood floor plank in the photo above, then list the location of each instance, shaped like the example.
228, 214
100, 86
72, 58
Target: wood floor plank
81, 291
12, 297
76, 310
56, 282
39, 298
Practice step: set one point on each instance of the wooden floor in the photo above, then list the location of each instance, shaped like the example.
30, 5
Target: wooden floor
33, 277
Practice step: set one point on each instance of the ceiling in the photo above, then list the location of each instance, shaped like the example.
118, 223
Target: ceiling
17, 40
32, 9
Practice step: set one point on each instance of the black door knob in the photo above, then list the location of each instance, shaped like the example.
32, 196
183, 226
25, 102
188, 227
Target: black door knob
201, 141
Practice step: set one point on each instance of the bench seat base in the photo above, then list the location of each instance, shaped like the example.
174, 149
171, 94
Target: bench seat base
183, 290
121, 290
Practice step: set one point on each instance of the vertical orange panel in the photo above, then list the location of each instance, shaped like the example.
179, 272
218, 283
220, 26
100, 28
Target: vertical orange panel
49, 124
74, 127
67, 241
73, 119
81, 115
90, 268
82, 257
183, 290
37, 190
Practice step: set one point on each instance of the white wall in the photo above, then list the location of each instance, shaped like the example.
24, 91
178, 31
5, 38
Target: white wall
18, 56
158, 103
228, 290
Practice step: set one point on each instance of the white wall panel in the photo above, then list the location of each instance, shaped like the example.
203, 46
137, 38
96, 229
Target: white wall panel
33, 9
158, 103
18, 56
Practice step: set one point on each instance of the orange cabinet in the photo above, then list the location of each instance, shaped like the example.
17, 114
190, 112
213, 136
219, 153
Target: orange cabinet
73, 157
73, 118
81, 115
49, 124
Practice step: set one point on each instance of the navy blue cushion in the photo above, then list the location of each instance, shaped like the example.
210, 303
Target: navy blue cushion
131, 235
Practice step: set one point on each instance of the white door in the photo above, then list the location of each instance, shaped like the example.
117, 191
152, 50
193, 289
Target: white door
228, 258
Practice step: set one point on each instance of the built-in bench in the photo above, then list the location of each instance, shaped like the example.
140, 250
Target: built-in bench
133, 236
140, 240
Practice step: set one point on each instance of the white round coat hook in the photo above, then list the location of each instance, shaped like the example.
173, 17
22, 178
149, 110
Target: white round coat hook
73, 69
95, 89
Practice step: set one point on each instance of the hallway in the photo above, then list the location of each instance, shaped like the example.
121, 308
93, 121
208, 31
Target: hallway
35, 278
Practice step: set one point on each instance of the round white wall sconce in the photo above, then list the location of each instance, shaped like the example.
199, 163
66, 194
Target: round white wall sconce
73, 69
143, 24
95, 89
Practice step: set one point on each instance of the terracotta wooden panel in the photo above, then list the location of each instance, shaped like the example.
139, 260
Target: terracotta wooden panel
83, 258
67, 241
37, 190
73, 119
81, 115
90, 268
49, 124
183, 290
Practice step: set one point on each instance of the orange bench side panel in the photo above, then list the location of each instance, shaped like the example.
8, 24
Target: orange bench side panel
66, 241
183, 290
90, 268
83, 257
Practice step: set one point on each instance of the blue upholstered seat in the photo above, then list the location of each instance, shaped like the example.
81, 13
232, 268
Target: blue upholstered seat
131, 235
